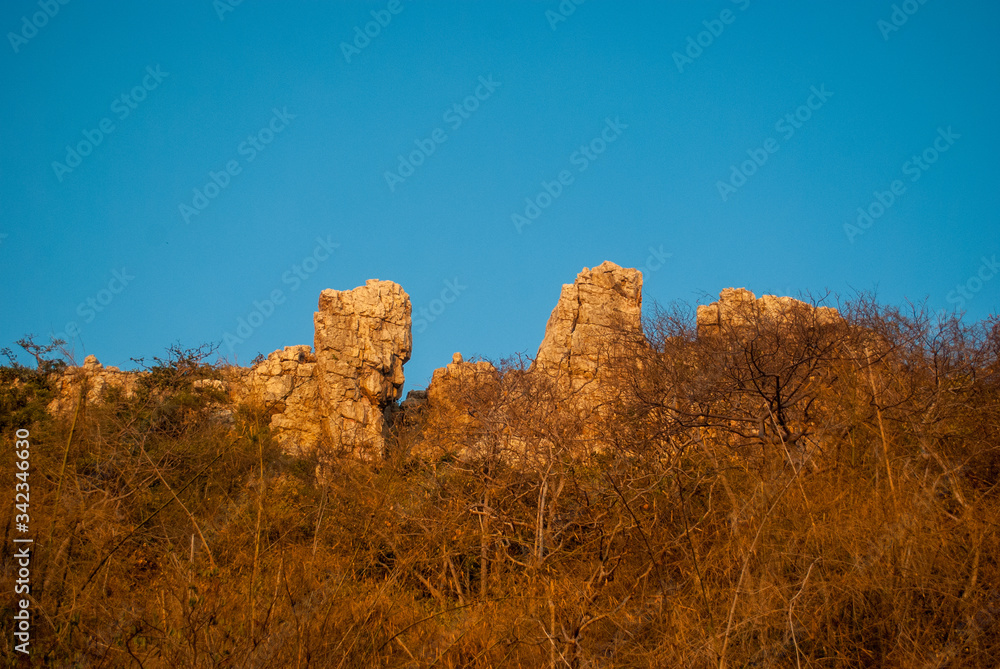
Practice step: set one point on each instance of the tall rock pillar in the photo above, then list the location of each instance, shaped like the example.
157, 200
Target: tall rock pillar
362, 340
600, 308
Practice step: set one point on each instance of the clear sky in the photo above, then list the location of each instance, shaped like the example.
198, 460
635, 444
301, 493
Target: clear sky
169, 166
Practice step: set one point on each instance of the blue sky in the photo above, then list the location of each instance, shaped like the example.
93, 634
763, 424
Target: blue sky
711, 144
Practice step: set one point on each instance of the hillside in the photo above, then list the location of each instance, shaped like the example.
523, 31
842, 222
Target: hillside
758, 482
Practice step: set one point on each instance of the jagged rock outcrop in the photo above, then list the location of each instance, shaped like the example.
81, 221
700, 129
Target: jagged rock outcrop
362, 340
286, 383
469, 412
94, 379
601, 308
738, 307
596, 318
335, 395
457, 397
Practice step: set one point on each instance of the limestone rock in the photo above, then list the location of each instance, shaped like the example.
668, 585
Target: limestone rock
362, 340
455, 396
738, 307
285, 383
336, 395
94, 379
415, 400
601, 306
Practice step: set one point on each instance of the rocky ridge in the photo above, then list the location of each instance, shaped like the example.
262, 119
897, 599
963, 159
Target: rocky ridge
92, 379
738, 307
333, 396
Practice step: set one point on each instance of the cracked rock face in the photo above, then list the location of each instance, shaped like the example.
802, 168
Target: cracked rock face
602, 303
286, 381
362, 340
334, 395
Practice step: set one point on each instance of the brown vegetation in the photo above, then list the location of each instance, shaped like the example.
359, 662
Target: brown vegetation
783, 492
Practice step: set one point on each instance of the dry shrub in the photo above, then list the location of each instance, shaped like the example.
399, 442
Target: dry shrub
783, 494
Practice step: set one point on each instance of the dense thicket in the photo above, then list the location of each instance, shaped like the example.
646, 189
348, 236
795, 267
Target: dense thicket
787, 494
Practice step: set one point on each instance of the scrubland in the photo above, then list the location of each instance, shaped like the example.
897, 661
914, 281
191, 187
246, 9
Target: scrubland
787, 494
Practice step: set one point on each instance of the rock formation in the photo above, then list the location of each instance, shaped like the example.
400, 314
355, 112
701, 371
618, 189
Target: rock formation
603, 306
455, 395
738, 307
286, 383
458, 378
333, 397
94, 379
362, 341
